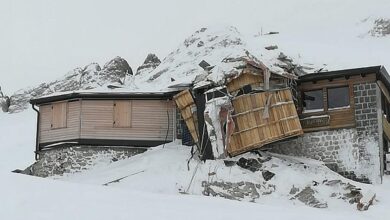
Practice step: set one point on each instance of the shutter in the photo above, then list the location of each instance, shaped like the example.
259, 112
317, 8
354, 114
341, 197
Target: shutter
59, 115
122, 114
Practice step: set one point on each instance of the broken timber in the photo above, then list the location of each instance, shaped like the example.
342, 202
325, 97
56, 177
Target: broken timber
186, 105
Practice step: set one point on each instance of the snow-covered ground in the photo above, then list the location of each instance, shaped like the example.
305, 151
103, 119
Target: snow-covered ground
153, 191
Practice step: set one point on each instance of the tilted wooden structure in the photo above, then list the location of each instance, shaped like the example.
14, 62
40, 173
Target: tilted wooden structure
263, 110
254, 127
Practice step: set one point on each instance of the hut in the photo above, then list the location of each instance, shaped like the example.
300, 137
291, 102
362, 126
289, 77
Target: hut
110, 118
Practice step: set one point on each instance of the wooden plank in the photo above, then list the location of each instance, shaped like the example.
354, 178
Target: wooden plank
122, 114
59, 115
384, 90
252, 130
186, 105
386, 126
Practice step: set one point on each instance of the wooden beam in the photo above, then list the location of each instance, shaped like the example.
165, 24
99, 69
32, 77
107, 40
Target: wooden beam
386, 126
384, 90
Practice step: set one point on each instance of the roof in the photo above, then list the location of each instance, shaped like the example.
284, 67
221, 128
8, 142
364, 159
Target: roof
380, 72
103, 95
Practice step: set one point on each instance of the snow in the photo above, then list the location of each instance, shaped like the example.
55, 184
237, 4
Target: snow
155, 192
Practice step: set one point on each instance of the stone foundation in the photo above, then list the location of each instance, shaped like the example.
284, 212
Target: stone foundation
353, 152
72, 159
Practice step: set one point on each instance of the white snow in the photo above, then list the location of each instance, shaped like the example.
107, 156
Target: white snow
154, 192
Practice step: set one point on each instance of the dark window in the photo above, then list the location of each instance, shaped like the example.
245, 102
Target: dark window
313, 100
338, 97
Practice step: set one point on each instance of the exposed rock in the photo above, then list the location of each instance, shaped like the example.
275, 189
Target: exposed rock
5, 103
267, 175
229, 163
88, 77
150, 63
307, 197
294, 190
249, 164
233, 191
272, 47
116, 69
381, 28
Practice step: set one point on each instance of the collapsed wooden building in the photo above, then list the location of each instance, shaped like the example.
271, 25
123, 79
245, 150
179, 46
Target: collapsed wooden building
338, 117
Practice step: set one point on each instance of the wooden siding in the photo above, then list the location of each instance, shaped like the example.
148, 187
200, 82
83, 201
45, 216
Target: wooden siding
122, 114
186, 105
253, 129
338, 118
149, 121
49, 134
59, 114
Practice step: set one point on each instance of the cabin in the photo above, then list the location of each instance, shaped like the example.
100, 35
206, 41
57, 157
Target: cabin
109, 118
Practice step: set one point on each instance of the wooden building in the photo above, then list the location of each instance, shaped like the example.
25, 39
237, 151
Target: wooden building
105, 118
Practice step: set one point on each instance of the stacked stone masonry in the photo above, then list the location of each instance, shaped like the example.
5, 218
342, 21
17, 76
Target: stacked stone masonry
353, 152
72, 159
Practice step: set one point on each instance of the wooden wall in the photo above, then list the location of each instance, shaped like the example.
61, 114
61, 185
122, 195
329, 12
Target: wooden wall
70, 131
149, 120
338, 118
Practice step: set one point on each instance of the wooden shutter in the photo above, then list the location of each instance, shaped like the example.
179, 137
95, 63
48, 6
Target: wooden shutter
122, 114
59, 115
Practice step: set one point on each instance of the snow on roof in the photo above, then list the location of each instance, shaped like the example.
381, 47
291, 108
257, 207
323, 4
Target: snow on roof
224, 48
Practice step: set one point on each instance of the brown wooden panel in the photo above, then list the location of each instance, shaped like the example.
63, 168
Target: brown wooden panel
71, 131
151, 120
59, 112
337, 82
253, 129
187, 108
338, 118
384, 90
122, 114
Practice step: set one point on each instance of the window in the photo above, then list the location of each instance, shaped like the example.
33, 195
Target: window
338, 97
313, 101
122, 114
59, 115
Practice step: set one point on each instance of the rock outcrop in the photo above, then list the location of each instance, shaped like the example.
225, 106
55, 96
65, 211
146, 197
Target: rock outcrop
89, 77
150, 63
381, 28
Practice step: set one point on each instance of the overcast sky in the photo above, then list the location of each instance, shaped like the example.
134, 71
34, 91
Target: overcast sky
41, 40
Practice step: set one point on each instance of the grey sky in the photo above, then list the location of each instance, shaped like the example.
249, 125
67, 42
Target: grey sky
41, 40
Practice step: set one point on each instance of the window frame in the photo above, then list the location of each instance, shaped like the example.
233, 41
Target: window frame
313, 110
326, 109
341, 107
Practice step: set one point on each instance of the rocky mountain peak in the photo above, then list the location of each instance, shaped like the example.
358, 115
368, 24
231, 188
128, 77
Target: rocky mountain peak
150, 63
88, 77
381, 27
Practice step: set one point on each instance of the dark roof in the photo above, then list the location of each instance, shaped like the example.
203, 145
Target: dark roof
380, 71
104, 96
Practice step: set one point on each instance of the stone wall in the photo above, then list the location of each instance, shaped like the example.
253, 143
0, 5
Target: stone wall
72, 159
354, 152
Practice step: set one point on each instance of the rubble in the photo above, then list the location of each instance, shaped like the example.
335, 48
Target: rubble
307, 196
